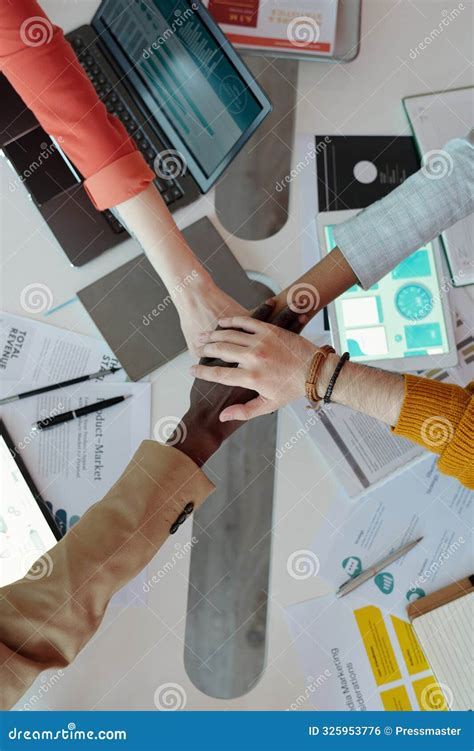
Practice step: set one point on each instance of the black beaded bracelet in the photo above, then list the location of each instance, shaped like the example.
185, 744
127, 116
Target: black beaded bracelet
327, 396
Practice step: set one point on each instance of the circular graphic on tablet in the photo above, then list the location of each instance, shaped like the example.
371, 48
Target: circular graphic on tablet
414, 301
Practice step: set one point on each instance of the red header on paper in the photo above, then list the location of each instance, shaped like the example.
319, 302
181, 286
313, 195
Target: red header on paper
285, 43
240, 13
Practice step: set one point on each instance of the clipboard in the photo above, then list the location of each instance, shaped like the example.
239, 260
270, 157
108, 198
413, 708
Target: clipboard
443, 624
440, 597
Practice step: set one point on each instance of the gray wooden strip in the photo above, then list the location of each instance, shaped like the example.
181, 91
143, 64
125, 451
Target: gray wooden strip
248, 203
229, 569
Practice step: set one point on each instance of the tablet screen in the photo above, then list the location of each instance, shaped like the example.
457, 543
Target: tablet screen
400, 317
25, 533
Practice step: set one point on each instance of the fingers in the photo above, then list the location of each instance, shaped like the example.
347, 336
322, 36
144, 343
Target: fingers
254, 408
225, 335
246, 323
223, 351
226, 376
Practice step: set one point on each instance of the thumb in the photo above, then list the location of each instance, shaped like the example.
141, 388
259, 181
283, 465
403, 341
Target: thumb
254, 408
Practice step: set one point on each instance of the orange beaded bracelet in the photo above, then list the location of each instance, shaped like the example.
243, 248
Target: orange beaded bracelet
310, 385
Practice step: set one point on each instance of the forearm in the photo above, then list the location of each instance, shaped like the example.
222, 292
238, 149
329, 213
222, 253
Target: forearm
52, 83
428, 202
197, 298
46, 620
376, 240
319, 286
148, 219
436, 415
377, 393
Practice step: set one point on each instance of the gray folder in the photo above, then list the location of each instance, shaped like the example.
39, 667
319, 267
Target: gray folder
134, 311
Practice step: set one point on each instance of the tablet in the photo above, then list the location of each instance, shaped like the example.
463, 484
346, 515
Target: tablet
27, 529
403, 321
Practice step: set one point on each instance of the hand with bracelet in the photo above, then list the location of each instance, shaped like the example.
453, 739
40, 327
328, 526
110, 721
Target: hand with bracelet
282, 367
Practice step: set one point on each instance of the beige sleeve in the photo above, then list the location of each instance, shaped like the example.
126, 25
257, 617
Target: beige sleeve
45, 622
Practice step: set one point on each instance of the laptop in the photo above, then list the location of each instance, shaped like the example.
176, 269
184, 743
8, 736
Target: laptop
27, 528
165, 69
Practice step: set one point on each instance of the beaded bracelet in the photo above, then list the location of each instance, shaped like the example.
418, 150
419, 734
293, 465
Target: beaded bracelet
327, 396
318, 359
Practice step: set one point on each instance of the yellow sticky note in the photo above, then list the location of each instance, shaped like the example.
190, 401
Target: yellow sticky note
430, 695
396, 700
377, 644
413, 655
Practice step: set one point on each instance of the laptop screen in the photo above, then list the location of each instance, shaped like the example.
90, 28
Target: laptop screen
186, 71
24, 530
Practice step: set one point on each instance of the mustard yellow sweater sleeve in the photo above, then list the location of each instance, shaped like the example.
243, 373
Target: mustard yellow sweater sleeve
440, 417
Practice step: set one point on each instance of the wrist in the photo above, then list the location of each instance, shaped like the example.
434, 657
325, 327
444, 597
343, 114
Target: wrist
193, 288
198, 442
325, 374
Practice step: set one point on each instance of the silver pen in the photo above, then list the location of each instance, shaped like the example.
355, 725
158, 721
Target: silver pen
352, 584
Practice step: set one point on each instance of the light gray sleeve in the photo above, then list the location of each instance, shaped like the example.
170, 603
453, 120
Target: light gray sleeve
428, 202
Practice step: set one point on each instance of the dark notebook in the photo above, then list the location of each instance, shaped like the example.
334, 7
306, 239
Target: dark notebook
354, 171
135, 313
15, 117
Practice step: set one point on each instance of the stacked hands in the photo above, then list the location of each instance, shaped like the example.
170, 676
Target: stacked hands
266, 357
249, 367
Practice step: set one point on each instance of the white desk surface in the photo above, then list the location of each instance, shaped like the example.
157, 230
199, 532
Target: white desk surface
138, 649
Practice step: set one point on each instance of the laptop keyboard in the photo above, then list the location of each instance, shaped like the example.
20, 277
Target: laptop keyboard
169, 188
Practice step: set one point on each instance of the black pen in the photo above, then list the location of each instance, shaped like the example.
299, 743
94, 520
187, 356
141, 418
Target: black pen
51, 422
60, 385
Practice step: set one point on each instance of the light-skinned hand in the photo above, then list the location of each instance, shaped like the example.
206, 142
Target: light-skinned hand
272, 361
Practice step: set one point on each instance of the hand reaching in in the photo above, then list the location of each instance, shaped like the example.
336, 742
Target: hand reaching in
201, 307
271, 361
